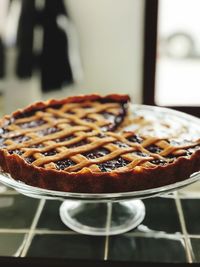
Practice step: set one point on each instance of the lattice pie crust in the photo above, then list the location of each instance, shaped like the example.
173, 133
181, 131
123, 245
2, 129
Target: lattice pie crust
77, 145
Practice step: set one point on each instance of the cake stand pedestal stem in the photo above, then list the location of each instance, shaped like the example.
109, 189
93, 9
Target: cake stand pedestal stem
104, 218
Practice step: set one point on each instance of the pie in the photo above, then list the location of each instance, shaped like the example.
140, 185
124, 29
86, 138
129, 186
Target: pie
79, 144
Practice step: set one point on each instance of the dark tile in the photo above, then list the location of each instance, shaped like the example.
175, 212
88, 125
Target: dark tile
191, 208
4, 189
17, 211
10, 244
127, 248
161, 215
50, 218
196, 248
67, 246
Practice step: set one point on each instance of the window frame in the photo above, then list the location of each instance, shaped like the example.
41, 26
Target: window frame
149, 61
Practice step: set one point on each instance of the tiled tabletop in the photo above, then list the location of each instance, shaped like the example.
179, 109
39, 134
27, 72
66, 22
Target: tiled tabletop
32, 228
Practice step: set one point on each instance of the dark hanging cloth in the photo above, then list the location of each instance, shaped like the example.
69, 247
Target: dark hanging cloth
53, 61
25, 58
55, 66
2, 59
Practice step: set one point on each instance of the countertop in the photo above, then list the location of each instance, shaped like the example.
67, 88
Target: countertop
32, 228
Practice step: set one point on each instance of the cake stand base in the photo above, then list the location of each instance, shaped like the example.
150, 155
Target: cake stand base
110, 218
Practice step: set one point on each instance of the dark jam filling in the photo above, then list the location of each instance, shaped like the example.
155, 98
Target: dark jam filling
112, 164
50, 153
20, 138
37, 146
25, 114
30, 159
72, 123
64, 138
108, 100
153, 149
101, 135
96, 153
88, 119
135, 139
114, 120
15, 151
31, 113
70, 112
57, 106
48, 131
64, 163
139, 153
172, 156
188, 152
120, 144
81, 143
31, 124
158, 162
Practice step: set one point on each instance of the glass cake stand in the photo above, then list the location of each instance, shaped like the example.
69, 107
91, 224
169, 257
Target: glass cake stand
115, 213
98, 214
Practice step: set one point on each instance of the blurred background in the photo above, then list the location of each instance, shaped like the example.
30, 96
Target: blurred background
52, 49
178, 53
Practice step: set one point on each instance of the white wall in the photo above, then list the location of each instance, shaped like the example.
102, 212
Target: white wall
110, 34
111, 44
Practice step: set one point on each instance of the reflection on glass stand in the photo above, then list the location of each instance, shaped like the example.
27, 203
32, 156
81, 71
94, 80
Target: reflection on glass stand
107, 218
98, 214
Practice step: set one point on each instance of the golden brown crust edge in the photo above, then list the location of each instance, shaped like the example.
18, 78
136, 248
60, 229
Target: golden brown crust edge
87, 182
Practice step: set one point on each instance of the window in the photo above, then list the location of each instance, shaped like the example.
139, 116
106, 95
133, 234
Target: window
172, 54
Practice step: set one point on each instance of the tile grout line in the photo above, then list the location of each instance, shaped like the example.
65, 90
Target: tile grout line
20, 248
14, 231
155, 235
106, 247
32, 228
189, 252
71, 232
108, 224
39, 231
8, 193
